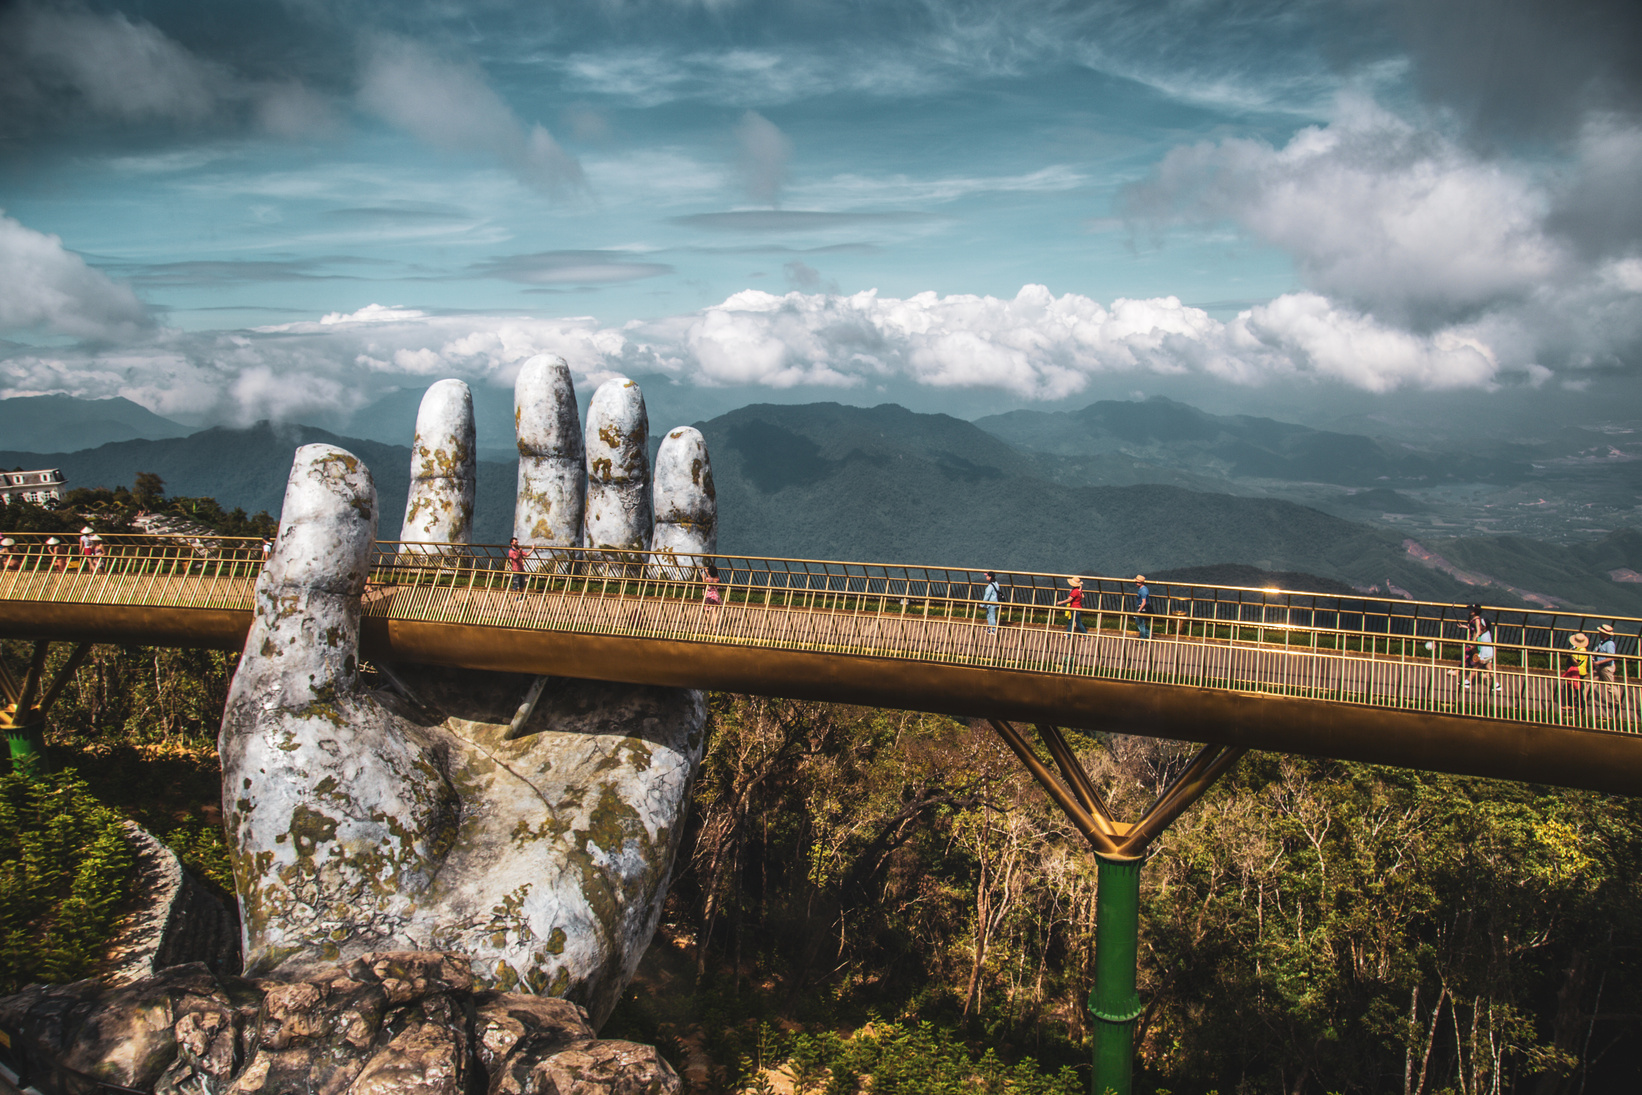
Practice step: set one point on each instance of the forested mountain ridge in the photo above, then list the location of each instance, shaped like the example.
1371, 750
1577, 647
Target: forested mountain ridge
887, 484
1174, 434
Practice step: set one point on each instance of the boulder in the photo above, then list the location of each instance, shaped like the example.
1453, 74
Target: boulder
385, 1023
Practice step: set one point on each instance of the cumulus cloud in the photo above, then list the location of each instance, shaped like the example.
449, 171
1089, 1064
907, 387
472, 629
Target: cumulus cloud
1042, 347
52, 289
765, 151
450, 106
1394, 219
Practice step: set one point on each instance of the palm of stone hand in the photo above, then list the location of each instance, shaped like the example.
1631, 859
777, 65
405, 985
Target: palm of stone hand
361, 821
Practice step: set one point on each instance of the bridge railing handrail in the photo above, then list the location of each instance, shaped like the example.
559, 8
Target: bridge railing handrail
199, 571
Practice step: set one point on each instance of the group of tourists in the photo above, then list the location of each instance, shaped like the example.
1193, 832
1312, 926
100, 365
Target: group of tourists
1591, 673
57, 554
1071, 605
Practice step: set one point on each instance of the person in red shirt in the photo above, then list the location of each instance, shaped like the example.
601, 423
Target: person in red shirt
516, 563
1074, 606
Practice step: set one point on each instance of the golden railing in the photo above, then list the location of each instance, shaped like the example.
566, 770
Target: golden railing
1367, 650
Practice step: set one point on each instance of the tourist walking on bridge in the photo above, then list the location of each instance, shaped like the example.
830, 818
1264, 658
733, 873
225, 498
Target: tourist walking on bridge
1143, 605
1479, 653
1074, 606
1578, 672
990, 597
516, 563
1606, 663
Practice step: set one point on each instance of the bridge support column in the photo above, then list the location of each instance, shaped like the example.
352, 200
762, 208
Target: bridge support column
1114, 1003
1119, 851
24, 715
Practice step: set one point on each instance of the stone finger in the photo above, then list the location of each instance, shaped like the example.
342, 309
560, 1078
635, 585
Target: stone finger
552, 470
439, 508
618, 469
686, 505
305, 634
338, 813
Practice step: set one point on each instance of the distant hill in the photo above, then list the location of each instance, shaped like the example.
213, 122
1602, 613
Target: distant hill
249, 467
1167, 434
61, 423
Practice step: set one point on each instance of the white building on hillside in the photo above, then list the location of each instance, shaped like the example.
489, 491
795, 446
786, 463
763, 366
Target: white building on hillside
45, 485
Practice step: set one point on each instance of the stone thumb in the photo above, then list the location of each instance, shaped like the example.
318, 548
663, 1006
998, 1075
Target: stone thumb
304, 639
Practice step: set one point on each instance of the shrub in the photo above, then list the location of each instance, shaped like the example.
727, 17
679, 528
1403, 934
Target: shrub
65, 869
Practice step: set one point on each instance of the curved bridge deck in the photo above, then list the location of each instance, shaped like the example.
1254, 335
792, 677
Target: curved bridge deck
1350, 677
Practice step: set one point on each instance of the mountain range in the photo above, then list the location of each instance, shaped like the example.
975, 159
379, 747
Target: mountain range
888, 484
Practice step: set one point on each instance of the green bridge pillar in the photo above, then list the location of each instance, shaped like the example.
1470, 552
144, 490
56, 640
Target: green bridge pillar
26, 742
1114, 1003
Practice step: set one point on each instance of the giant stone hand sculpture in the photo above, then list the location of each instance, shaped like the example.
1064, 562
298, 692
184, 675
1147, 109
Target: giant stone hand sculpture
366, 820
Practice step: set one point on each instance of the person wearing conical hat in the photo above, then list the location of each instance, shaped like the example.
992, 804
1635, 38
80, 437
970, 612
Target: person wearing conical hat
8, 552
1578, 670
1073, 602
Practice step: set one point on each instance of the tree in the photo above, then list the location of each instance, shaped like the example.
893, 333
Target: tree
147, 490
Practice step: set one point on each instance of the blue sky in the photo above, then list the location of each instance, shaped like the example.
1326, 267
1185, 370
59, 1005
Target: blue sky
237, 211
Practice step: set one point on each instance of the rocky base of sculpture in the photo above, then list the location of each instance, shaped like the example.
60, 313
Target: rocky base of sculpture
401, 1021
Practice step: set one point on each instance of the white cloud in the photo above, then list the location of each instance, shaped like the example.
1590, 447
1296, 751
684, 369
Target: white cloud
1039, 346
450, 106
49, 288
1033, 346
1399, 221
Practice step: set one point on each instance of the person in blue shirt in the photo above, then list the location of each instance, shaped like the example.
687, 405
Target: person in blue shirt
1606, 663
1143, 605
990, 599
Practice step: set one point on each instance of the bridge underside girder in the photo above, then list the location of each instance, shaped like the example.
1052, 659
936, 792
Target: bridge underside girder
1463, 745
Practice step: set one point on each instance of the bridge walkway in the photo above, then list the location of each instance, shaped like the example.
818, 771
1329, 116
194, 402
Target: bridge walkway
913, 637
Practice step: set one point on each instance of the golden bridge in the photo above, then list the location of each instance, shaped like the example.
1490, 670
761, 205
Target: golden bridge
1353, 678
